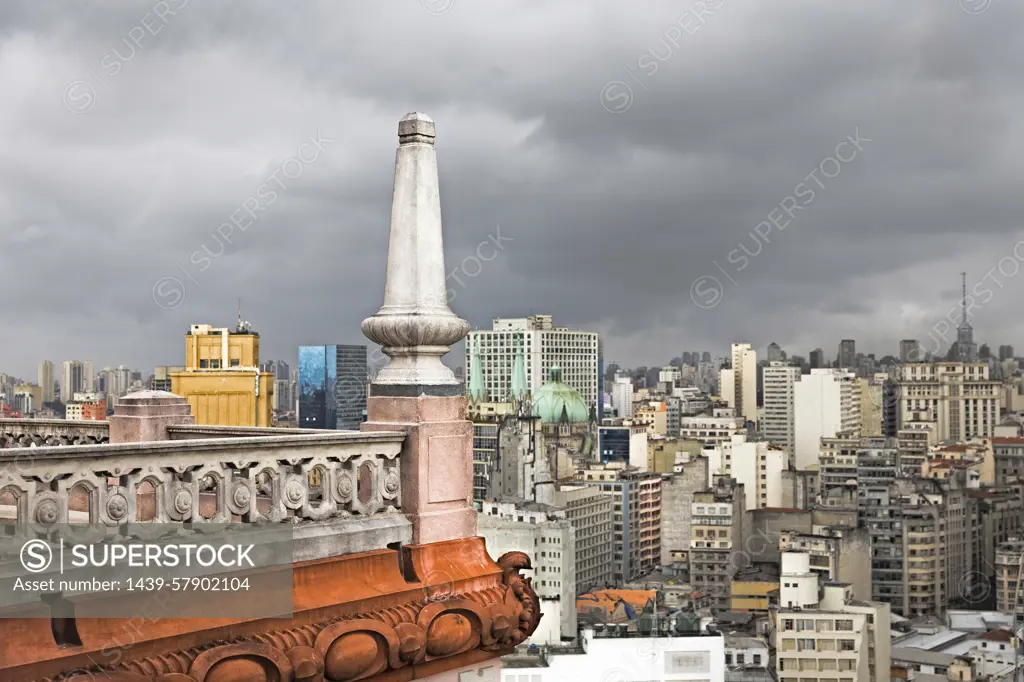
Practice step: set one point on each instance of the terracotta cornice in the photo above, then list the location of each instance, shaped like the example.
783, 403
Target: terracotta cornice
381, 615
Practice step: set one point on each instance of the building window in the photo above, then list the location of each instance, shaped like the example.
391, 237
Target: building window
204, 364
235, 363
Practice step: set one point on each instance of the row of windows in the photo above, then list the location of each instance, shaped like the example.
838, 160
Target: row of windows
215, 364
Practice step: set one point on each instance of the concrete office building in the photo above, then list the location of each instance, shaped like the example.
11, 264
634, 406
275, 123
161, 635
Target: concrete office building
222, 381
544, 345
824, 631
511, 525
958, 397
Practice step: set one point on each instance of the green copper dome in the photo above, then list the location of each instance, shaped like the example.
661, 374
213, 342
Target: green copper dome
555, 401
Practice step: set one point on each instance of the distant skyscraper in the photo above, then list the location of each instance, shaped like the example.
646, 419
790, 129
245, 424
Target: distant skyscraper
88, 377
686, 358
45, 380
738, 384
705, 357
775, 353
778, 426
910, 351
816, 359
847, 358
350, 388
72, 380
1005, 352
332, 386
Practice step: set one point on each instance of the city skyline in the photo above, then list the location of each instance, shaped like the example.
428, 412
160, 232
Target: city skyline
874, 257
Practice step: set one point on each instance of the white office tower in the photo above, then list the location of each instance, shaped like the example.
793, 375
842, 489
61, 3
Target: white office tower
824, 632
778, 425
544, 345
622, 397
738, 385
826, 403
757, 465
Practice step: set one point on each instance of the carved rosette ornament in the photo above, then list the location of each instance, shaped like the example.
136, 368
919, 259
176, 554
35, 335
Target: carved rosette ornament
356, 647
389, 484
346, 487
47, 512
117, 506
180, 502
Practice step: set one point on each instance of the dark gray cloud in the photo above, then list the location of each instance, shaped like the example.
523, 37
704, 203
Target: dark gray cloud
123, 151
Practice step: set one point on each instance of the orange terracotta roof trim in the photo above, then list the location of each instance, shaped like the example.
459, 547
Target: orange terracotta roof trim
460, 608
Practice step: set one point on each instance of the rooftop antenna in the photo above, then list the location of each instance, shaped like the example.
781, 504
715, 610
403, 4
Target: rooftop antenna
963, 299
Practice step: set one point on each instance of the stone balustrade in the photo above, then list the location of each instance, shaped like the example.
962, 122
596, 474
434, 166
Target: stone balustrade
28, 433
292, 478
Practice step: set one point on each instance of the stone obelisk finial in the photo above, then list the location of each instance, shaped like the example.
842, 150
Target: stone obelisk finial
415, 326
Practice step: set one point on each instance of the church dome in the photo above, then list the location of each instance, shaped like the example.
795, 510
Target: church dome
555, 401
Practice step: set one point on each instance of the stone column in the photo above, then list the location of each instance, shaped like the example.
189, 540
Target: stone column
144, 416
415, 392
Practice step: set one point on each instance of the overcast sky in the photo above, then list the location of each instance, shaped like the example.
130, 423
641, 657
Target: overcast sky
628, 151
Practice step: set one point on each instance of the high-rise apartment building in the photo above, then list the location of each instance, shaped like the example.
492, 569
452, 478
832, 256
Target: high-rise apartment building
716, 532
738, 383
636, 511
45, 380
332, 386
921, 535
544, 345
847, 358
72, 379
826, 403
778, 424
958, 397
222, 381
1005, 352
816, 359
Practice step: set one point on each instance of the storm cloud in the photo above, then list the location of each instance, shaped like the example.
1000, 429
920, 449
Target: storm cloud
632, 154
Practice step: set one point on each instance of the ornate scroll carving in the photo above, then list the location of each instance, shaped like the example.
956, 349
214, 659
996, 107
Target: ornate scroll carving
356, 647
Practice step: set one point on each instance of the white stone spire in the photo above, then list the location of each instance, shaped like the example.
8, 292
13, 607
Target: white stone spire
415, 325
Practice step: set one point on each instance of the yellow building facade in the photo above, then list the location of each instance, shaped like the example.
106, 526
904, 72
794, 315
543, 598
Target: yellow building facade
222, 381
